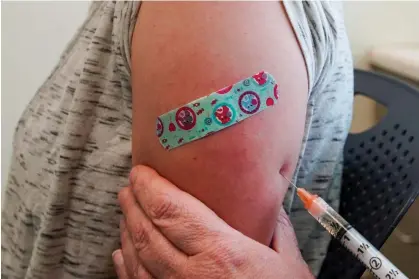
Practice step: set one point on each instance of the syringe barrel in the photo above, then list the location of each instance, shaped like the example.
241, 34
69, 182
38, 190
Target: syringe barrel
363, 250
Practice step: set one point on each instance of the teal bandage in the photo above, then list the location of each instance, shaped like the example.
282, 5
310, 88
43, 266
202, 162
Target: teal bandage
217, 111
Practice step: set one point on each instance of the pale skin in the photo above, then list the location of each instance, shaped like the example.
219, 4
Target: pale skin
182, 51
167, 233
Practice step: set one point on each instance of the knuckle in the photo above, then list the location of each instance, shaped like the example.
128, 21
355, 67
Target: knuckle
163, 208
237, 259
229, 255
237, 254
141, 237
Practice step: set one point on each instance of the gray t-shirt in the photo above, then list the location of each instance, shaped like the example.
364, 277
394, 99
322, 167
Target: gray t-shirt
72, 146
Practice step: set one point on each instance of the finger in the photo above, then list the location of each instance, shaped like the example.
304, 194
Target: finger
284, 240
183, 219
132, 265
282, 231
118, 262
154, 251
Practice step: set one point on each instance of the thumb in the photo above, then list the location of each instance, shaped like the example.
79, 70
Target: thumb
184, 220
284, 239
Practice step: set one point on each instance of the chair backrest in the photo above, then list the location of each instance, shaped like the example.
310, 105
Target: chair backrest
381, 170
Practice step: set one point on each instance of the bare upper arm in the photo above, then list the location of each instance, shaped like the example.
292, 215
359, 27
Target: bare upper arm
185, 50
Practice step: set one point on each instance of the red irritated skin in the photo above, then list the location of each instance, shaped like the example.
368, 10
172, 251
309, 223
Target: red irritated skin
181, 52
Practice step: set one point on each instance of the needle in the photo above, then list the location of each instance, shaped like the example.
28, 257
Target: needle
378, 264
289, 181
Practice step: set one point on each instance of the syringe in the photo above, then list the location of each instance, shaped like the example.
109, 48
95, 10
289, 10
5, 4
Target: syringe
352, 240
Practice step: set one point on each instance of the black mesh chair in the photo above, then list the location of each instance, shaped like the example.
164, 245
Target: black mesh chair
381, 171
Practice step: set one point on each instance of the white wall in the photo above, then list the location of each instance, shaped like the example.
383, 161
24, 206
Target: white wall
371, 24
375, 23
33, 36
35, 33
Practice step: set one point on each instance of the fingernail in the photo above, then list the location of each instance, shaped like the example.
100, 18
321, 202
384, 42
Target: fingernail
117, 257
133, 175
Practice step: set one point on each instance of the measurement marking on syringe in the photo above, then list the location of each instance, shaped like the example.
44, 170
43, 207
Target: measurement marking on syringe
352, 240
375, 263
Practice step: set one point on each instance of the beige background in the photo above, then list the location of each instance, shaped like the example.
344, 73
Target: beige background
376, 23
